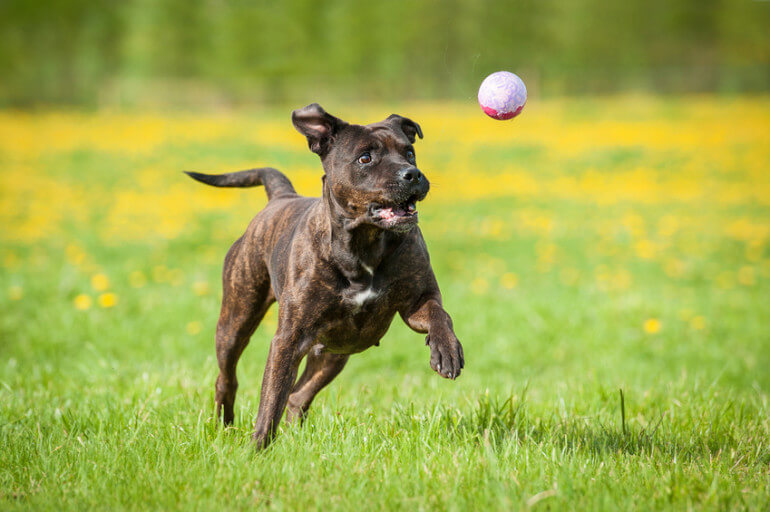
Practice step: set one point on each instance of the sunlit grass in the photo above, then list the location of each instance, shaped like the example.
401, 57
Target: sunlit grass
588, 246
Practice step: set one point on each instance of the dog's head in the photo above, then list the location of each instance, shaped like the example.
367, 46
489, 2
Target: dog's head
371, 171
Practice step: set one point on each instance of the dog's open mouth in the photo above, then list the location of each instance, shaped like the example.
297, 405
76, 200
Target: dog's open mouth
395, 214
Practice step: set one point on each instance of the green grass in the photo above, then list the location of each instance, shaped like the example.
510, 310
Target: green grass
112, 408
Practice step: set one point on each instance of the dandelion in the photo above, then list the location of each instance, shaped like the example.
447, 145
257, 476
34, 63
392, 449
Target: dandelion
201, 288
83, 302
645, 249
176, 277
725, 280
674, 268
622, 279
270, 320
160, 273
652, 325
108, 300
75, 254
754, 251
546, 252
11, 260
668, 225
15, 292
137, 279
492, 228
496, 265
634, 223
698, 323
509, 280
569, 276
479, 286
194, 327
100, 282
746, 276
211, 255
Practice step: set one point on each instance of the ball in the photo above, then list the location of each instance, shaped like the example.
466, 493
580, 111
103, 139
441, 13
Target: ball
502, 95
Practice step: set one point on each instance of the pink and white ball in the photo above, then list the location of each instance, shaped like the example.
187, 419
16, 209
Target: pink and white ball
502, 95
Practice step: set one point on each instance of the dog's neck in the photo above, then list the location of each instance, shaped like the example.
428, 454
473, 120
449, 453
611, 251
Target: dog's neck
357, 248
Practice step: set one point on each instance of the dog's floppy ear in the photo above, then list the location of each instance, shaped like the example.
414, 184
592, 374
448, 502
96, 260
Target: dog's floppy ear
409, 127
318, 126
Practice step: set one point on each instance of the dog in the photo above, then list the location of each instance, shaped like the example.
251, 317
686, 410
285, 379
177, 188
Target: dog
340, 266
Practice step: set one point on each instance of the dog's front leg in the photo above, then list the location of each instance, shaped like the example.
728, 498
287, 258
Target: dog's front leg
446, 352
286, 351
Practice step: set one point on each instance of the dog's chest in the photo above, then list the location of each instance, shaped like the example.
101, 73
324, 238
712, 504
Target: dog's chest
360, 309
359, 295
358, 318
362, 288
360, 298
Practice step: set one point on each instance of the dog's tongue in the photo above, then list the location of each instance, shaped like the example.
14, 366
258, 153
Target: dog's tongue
392, 212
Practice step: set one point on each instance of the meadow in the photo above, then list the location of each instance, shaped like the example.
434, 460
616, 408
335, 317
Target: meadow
606, 263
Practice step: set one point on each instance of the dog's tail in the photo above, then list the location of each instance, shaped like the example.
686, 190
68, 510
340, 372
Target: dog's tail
275, 182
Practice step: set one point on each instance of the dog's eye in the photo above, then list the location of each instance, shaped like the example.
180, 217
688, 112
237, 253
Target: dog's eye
365, 158
410, 156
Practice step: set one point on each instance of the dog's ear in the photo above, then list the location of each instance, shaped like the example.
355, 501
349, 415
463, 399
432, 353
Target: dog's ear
409, 127
318, 126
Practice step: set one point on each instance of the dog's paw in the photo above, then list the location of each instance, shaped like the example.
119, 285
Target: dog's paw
446, 355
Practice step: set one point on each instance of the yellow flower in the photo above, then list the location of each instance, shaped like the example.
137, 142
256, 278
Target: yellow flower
509, 280
270, 321
645, 249
11, 260
479, 286
15, 292
75, 254
674, 268
137, 279
108, 300
698, 323
546, 252
746, 276
201, 288
668, 225
160, 273
622, 279
194, 327
83, 302
754, 250
725, 280
176, 277
100, 282
652, 325
569, 276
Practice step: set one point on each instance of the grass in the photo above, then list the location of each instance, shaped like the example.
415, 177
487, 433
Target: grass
606, 264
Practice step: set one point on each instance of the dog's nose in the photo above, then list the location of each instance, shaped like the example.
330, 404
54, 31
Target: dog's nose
410, 175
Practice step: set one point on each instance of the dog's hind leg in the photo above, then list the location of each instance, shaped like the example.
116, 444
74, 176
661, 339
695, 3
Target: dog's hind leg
320, 369
246, 297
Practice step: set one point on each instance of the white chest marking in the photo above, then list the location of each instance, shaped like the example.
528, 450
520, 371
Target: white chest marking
365, 295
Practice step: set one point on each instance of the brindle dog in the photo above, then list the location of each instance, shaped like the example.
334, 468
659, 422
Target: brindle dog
340, 266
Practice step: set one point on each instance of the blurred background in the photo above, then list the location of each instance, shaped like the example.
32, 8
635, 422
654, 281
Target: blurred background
212, 52
615, 235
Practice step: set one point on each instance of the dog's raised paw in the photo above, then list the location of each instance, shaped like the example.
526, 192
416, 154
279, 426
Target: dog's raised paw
446, 355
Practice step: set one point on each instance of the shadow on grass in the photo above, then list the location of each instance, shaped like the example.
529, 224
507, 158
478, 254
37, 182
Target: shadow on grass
495, 422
